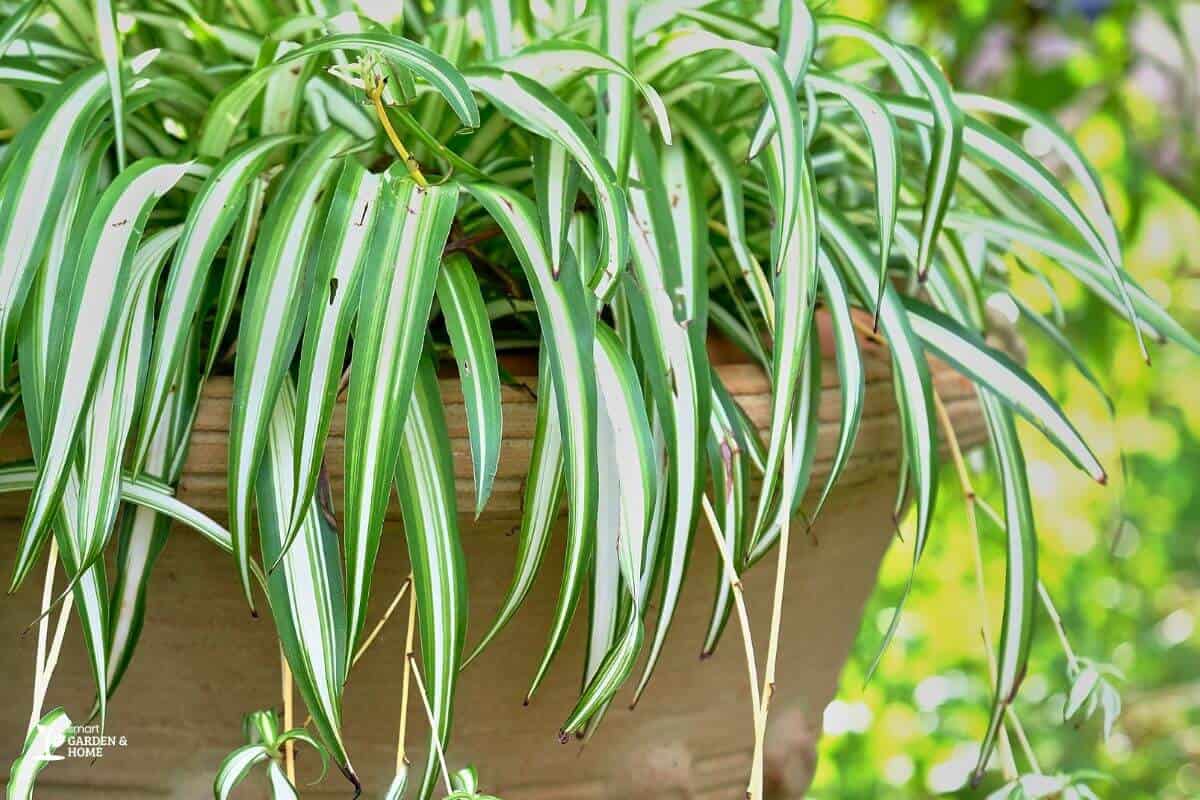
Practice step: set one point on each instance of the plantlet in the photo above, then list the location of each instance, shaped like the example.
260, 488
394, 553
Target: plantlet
316, 200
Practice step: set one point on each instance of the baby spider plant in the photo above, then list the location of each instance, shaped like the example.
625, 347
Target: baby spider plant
316, 199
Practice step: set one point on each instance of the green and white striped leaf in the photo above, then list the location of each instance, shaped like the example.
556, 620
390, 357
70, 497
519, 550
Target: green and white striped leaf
141, 532
332, 308
805, 427
716, 157
37, 169
797, 40
540, 502
556, 186
306, 592
48, 734
141, 490
1048, 130
470, 330
999, 151
425, 484
413, 224
275, 295
107, 423
109, 41
211, 216
727, 458
535, 108
16, 22
671, 345
628, 475
236, 766
851, 373
795, 287
882, 137
994, 371
230, 106
913, 385
948, 122
555, 62
1020, 576
1096, 275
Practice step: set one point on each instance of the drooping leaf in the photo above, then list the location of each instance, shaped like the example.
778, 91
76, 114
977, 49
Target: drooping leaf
332, 307
851, 373
306, 592
1005, 379
211, 216
470, 332
398, 290
563, 310
276, 291
97, 289
1020, 576
540, 501
229, 107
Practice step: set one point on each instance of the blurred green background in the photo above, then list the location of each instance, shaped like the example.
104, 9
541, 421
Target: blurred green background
1122, 562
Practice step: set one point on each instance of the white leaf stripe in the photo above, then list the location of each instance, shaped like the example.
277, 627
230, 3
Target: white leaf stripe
1020, 580
37, 170
1001, 152
109, 41
851, 374
236, 766
676, 376
49, 734
108, 420
535, 108
797, 40
882, 136
795, 282
626, 456
948, 122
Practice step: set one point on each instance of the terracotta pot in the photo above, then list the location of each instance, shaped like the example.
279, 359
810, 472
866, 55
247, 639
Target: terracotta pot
203, 662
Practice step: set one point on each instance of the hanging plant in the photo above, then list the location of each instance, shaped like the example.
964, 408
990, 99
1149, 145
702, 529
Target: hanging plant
319, 200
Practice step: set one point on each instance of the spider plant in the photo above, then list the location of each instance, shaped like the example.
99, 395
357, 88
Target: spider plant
317, 199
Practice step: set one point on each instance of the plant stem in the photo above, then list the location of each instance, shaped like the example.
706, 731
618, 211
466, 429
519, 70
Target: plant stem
1056, 621
289, 747
382, 621
375, 93
739, 601
440, 150
755, 789
43, 628
401, 755
362, 650
437, 743
972, 504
